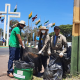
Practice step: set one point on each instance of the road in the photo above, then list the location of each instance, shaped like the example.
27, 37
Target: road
4, 57
4, 51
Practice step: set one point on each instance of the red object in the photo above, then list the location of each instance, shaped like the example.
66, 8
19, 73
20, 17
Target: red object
34, 18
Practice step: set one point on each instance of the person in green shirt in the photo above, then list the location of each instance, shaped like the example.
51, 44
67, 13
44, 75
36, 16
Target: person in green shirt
14, 49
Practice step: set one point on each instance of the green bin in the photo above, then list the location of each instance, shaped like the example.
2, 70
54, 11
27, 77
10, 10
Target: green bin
23, 74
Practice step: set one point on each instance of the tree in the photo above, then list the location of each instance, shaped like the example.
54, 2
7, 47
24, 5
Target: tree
12, 22
51, 34
27, 32
35, 30
66, 30
23, 36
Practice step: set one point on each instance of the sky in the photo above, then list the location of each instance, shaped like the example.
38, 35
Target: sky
59, 12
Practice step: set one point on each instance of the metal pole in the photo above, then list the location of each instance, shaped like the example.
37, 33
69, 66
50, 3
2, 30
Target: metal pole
31, 28
28, 28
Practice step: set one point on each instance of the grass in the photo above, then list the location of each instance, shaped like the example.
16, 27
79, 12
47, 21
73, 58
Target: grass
67, 78
37, 78
72, 78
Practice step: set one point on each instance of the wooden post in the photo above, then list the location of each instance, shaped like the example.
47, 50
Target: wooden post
79, 52
75, 54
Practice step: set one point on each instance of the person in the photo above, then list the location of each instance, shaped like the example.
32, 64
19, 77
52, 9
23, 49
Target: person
57, 42
3, 42
14, 49
44, 45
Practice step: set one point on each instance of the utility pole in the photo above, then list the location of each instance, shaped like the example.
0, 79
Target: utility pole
75, 53
28, 33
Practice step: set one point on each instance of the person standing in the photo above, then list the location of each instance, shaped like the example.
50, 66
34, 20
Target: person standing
3, 42
57, 42
55, 67
14, 49
44, 45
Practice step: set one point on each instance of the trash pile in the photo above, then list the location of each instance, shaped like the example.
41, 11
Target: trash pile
23, 70
23, 65
57, 66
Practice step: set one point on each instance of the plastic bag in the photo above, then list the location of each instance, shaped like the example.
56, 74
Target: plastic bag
66, 61
54, 70
29, 49
23, 65
57, 66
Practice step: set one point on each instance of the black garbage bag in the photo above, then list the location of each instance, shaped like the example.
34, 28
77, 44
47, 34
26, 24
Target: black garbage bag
57, 66
66, 61
29, 49
30, 55
23, 65
26, 50
54, 69
68, 56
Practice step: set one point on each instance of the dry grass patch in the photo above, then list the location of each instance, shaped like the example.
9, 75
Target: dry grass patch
37, 78
67, 78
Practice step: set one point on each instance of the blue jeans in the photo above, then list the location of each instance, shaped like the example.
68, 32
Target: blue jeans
14, 54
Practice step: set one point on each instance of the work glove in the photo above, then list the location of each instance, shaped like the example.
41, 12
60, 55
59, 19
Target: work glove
61, 54
40, 52
36, 47
49, 53
23, 47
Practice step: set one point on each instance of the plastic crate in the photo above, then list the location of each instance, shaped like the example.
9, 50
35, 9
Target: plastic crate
23, 74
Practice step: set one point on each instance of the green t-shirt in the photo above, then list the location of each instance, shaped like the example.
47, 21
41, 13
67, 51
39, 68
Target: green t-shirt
13, 41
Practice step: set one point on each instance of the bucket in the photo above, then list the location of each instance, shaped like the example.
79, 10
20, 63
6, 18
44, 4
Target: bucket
23, 74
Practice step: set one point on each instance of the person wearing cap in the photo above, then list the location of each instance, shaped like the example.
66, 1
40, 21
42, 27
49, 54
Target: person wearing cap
14, 49
44, 45
58, 53
57, 42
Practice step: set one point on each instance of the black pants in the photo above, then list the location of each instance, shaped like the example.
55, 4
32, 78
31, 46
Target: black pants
44, 61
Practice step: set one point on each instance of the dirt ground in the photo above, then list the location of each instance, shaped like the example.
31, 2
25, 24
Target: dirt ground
3, 68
